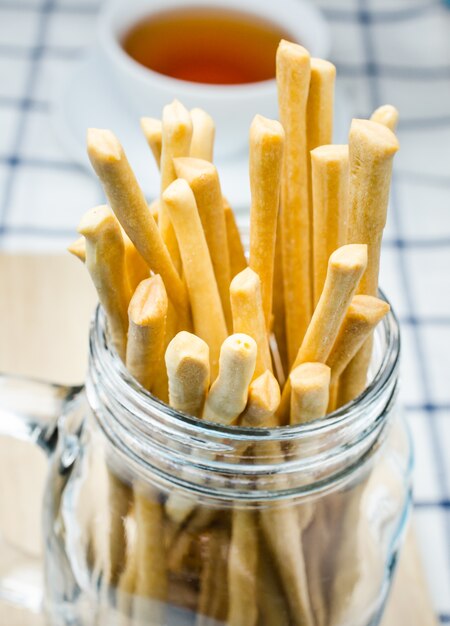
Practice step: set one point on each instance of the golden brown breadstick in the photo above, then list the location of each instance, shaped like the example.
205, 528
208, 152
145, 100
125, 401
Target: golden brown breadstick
266, 154
236, 253
371, 150
362, 316
203, 132
120, 497
176, 141
310, 385
152, 129
135, 266
147, 315
78, 249
263, 400
212, 604
283, 535
280, 356
345, 268
154, 208
372, 147
271, 600
329, 175
128, 203
243, 569
293, 75
151, 580
320, 104
204, 181
207, 312
386, 115
105, 261
187, 362
248, 315
228, 394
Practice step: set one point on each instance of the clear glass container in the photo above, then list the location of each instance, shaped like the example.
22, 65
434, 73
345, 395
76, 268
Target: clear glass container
154, 517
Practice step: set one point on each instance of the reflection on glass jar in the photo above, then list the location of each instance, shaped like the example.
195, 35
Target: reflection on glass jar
154, 517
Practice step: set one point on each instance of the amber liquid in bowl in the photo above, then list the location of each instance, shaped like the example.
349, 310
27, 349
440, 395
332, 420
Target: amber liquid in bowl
212, 46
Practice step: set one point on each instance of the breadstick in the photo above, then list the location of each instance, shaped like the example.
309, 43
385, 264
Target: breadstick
329, 174
242, 569
105, 261
176, 141
204, 181
293, 75
120, 497
203, 132
135, 266
248, 315
78, 249
310, 384
147, 322
207, 312
283, 535
128, 203
280, 356
151, 580
228, 394
187, 362
263, 400
266, 154
152, 129
371, 150
212, 605
271, 599
386, 115
362, 316
345, 268
236, 253
320, 105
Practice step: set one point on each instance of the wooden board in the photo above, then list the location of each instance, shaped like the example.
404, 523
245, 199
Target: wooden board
45, 306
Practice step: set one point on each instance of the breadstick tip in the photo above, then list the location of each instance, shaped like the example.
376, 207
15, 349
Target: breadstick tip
149, 301
379, 138
267, 130
292, 52
264, 395
103, 145
245, 280
326, 68
184, 343
177, 193
330, 153
370, 308
349, 257
310, 376
176, 113
150, 126
191, 168
386, 114
78, 249
241, 345
96, 220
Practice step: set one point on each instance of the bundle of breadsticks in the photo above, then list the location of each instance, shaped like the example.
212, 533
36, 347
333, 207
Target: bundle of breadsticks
281, 337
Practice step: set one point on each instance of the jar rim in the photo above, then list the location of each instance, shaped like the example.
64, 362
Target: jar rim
113, 369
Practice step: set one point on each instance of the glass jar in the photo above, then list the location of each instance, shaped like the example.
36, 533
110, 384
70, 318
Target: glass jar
154, 517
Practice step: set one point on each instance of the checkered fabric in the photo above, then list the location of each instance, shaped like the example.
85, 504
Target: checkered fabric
386, 51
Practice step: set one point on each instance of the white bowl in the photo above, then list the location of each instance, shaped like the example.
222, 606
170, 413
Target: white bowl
231, 106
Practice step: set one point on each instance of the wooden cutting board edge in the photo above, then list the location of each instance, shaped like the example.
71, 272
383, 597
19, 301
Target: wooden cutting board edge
46, 304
